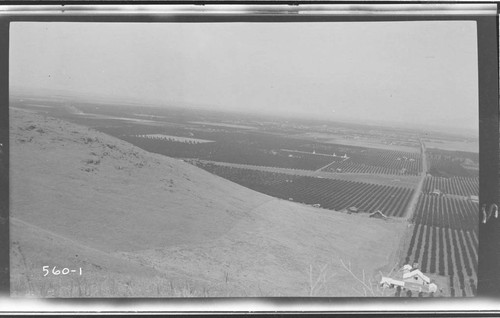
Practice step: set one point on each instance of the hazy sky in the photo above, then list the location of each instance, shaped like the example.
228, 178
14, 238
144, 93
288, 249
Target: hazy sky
420, 72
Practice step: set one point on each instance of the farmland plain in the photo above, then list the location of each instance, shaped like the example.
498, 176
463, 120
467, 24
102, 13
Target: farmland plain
265, 205
142, 224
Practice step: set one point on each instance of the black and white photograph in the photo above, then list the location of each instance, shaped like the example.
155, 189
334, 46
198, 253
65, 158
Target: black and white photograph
244, 159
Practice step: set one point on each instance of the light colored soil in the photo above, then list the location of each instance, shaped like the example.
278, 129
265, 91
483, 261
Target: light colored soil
368, 143
454, 145
140, 221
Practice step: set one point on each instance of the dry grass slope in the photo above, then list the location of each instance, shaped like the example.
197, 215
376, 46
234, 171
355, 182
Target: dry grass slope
141, 224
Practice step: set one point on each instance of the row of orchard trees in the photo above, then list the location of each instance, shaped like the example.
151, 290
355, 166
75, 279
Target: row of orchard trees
327, 193
445, 241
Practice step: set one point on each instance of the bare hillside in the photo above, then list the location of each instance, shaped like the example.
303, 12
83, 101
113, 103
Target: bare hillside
141, 224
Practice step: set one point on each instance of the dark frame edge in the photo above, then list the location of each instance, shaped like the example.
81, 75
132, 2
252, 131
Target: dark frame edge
4, 159
489, 234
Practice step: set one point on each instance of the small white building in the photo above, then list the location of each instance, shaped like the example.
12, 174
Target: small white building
378, 214
413, 280
437, 192
352, 209
474, 198
416, 277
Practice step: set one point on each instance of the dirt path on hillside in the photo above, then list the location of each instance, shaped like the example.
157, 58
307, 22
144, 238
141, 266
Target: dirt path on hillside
57, 236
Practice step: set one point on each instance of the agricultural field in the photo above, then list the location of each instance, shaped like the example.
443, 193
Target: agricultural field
393, 139
175, 138
447, 164
462, 186
261, 149
446, 212
328, 193
453, 143
445, 241
243, 153
379, 162
398, 181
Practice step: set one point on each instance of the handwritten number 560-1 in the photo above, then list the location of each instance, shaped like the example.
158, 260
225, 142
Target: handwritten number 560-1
55, 271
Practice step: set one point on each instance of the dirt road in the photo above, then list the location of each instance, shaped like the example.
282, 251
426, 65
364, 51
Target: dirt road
416, 194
